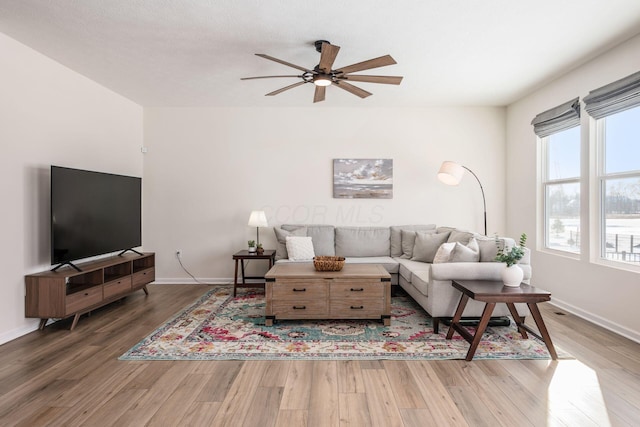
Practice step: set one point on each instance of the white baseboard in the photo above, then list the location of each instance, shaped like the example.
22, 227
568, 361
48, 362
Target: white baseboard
18, 332
598, 320
191, 281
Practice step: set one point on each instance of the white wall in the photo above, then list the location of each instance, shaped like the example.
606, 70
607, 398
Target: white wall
605, 295
207, 168
49, 115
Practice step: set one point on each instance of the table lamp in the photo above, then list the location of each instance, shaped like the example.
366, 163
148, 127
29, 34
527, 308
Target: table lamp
258, 219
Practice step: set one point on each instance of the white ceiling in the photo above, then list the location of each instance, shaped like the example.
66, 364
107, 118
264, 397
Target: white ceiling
193, 52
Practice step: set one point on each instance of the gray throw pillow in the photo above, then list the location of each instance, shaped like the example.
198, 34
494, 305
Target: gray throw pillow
396, 236
460, 236
281, 237
468, 253
407, 242
427, 245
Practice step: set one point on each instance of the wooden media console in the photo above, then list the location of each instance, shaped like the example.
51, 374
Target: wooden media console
67, 292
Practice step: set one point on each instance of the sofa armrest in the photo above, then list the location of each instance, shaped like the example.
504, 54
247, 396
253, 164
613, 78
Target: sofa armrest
472, 271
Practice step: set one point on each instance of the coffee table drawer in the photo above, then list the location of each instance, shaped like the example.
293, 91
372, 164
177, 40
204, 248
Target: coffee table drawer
357, 309
296, 290
302, 309
357, 289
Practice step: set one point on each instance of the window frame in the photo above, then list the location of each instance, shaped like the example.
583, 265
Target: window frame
545, 183
598, 192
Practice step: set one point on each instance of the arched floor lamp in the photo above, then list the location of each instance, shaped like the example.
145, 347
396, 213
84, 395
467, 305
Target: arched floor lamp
451, 173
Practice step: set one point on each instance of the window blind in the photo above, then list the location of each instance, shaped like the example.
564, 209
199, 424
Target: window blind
562, 117
614, 97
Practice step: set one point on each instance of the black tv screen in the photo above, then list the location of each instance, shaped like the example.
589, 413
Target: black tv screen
93, 213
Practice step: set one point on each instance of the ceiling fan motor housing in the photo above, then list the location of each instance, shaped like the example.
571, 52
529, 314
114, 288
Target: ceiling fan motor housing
318, 44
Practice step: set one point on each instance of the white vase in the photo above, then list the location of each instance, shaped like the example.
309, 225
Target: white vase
252, 249
512, 276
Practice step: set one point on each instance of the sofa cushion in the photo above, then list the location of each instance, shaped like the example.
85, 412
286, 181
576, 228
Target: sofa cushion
281, 238
300, 248
390, 264
322, 236
396, 235
468, 253
427, 245
420, 280
408, 267
362, 241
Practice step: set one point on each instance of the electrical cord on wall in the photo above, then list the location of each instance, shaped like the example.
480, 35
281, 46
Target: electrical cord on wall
189, 273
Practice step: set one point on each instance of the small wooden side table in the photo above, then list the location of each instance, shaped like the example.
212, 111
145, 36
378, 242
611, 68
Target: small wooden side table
242, 256
492, 292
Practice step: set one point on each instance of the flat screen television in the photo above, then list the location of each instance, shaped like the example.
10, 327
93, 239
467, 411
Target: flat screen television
93, 213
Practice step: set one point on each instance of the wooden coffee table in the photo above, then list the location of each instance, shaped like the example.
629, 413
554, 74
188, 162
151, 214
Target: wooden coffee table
491, 292
298, 291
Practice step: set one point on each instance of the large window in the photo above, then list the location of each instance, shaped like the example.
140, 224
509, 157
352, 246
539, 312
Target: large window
561, 190
618, 139
559, 133
616, 111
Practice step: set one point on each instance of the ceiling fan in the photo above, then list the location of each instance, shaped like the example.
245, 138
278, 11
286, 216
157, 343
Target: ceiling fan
322, 75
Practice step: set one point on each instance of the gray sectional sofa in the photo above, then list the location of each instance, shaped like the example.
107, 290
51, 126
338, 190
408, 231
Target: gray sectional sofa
408, 253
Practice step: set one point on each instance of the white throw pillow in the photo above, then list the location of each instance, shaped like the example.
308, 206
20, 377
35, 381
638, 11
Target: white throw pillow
462, 253
444, 253
300, 248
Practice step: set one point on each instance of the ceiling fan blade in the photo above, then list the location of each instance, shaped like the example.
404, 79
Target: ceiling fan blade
275, 92
382, 61
264, 77
318, 96
328, 55
353, 89
389, 80
280, 61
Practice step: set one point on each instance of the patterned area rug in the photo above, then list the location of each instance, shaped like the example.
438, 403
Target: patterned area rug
218, 326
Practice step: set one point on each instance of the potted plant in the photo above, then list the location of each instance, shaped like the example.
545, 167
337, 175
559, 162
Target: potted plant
512, 274
252, 245
260, 249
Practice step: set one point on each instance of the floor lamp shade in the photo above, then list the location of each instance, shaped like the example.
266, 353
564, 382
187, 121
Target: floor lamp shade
258, 219
451, 173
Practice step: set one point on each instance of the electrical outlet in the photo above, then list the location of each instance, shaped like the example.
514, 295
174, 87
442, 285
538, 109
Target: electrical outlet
179, 253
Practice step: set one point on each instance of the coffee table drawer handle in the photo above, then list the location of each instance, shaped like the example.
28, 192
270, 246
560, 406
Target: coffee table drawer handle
357, 290
359, 307
299, 307
300, 290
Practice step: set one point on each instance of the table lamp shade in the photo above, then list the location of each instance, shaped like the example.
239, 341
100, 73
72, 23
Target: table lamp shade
258, 219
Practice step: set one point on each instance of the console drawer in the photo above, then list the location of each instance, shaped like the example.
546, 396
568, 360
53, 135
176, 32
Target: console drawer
78, 301
116, 287
143, 277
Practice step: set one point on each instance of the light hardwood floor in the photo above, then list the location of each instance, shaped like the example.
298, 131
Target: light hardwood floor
57, 377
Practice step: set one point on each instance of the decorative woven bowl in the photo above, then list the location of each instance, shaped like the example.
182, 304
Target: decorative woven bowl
328, 263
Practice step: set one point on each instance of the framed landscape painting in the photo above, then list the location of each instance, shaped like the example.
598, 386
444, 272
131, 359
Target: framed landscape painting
363, 178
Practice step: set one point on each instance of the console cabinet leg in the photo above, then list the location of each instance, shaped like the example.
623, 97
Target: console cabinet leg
75, 321
146, 291
43, 323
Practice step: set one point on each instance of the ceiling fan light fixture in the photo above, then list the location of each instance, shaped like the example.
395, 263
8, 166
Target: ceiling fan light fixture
322, 80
